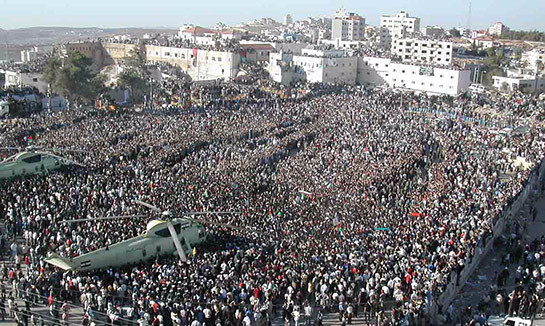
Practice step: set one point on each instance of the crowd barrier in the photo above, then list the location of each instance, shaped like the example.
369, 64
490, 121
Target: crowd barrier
485, 245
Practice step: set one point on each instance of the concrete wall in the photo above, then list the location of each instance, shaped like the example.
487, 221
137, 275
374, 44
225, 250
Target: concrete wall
481, 251
115, 53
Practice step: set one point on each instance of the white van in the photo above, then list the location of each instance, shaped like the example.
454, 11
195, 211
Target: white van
477, 88
511, 321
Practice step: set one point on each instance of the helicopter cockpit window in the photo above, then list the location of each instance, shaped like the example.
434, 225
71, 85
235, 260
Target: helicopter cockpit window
33, 159
164, 233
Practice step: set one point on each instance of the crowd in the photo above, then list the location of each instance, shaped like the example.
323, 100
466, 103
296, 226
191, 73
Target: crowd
370, 205
34, 66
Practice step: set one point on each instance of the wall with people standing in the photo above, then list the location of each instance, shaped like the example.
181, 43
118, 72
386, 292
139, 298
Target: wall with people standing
486, 244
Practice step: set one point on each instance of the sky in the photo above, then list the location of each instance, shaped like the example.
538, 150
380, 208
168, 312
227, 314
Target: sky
516, 14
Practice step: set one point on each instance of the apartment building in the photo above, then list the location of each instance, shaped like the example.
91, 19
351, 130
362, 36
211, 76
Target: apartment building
423, 50
347, 26
400, 25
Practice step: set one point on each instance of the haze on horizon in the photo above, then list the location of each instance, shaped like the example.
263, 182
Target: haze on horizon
518, 15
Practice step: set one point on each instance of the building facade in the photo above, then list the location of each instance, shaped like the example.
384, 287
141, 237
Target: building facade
314, 66
92, 50
433, 31
375, 71
288, 20
497, 29
21, 79
116, 53
525, 85
199, 64
400, 25
423, 50
347, 26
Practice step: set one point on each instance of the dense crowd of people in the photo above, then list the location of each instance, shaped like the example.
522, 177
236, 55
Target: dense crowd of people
370, 204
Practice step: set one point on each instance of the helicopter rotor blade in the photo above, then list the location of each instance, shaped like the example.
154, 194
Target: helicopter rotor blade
101, 218
68, 150
177, 243
229, 226
209, 213
150, 206
11, 148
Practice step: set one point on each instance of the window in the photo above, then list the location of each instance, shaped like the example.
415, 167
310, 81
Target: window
35, 80
219, 58
144, 253
164, 233
158, 249
33, 159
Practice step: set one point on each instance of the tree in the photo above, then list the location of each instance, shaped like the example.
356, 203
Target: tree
136, 61
135, 74
454, 32
504, 87
131, 80
51, 69
73, 77
495, 60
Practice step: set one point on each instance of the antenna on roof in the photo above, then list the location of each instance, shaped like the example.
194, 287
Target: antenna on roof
469, 17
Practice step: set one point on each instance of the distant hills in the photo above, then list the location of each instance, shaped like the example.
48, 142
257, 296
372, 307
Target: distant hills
53, 35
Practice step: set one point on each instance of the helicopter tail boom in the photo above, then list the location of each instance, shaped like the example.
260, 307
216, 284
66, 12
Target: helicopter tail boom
60, 262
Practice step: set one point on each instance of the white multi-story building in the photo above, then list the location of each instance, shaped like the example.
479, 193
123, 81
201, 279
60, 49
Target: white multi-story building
422, 50
398, 26
315, 66
497, 29
347, 26
433, 31
288, 20
199, 64
374, 71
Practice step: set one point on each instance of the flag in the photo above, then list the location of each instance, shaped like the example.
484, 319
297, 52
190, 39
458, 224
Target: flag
382, 229
194, 251
415, 214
